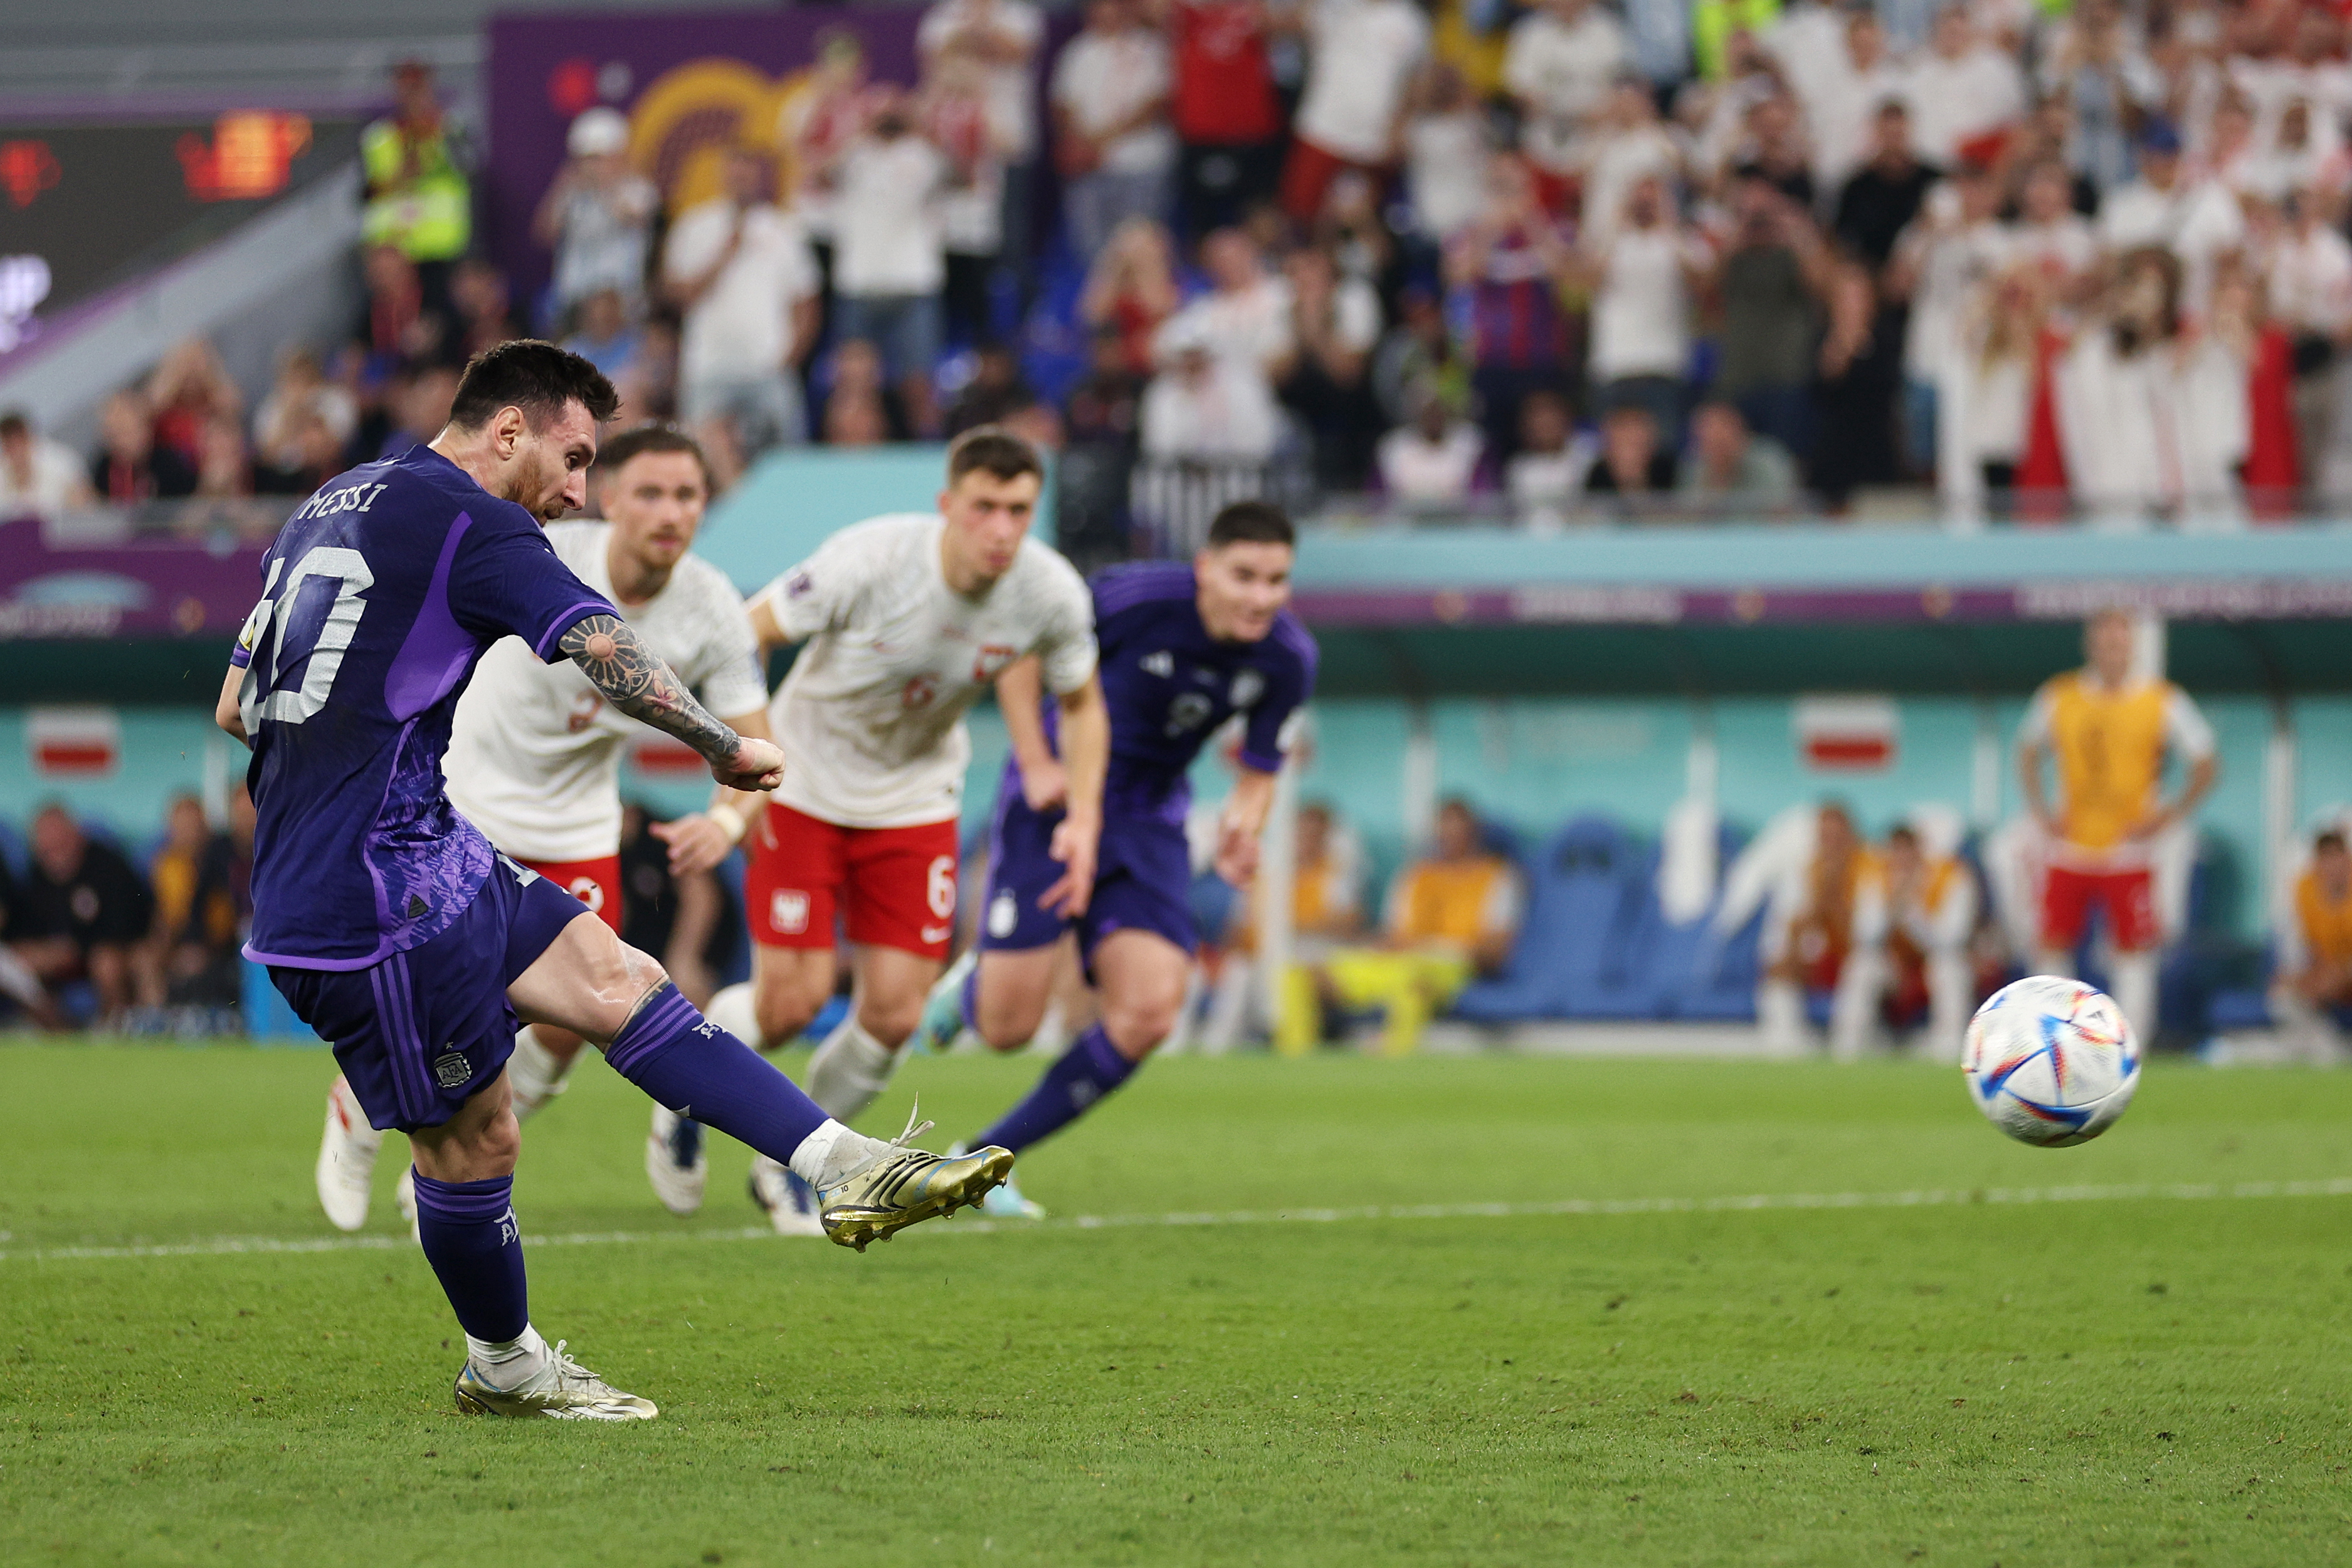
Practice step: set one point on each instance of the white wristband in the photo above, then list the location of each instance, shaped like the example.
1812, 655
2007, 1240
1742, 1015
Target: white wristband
730, 821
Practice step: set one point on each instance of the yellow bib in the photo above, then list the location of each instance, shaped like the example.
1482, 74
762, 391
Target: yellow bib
2326, 927
2110, 751
1446, 902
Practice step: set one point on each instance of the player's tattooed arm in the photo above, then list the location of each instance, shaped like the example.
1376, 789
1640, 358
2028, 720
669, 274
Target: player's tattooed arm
639, 682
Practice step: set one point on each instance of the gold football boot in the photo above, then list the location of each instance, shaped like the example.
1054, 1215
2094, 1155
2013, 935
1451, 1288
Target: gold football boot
902, 1187
564, 1391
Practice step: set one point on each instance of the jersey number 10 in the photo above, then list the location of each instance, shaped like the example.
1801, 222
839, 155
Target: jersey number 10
317, 645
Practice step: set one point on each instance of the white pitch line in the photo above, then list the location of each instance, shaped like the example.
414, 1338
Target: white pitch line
1930, 1197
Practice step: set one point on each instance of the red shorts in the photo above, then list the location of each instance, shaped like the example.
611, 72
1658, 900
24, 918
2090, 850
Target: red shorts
894, 887
596, 884
2127, 896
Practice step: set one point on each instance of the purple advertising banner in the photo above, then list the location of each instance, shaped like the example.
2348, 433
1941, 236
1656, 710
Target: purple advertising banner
143, 588
692, 83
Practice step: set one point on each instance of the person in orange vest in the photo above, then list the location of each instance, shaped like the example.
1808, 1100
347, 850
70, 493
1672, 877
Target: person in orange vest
2109, 730
1810, 928
1451, 915
2314, 984
1913, 915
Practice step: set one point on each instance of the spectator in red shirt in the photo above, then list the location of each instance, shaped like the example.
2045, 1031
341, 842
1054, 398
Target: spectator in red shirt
1225, 111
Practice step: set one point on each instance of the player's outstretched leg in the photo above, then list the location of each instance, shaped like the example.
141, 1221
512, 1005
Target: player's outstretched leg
1142, 979
347, 1151
588, 980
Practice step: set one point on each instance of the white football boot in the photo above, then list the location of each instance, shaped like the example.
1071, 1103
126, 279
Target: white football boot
675, 1162
791, 1204
347, 1154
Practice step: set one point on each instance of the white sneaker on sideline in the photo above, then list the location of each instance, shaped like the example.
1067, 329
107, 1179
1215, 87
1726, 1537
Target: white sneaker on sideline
675, 1163
791, 1204
347, 1151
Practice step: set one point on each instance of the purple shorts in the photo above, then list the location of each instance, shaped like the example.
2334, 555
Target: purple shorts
1143, 873
422, 1033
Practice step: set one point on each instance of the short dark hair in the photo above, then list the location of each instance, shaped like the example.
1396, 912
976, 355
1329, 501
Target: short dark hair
614, 455
14, 422
2330, 839
534, 376
1251, 522
996, 449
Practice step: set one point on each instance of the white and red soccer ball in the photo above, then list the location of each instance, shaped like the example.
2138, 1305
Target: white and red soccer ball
2051, 1062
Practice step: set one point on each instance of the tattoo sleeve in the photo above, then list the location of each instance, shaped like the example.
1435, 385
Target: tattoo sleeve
636, 680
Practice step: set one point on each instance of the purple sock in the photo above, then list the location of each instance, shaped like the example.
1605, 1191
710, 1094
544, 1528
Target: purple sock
696, 1068
470, 1237
1090, 1070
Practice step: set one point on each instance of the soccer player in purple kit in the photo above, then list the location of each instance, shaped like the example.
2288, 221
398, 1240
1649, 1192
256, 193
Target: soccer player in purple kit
1184, 647
397, 933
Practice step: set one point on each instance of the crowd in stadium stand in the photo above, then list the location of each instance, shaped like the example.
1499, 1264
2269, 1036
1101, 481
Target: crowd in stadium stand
1543, 259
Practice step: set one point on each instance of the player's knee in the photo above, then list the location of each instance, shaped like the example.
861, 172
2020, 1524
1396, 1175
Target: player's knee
1003, 1031
1137, 1024
784, 1011
890, 1020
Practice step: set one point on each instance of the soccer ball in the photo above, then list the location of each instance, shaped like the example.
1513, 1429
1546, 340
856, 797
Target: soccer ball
2051, 1062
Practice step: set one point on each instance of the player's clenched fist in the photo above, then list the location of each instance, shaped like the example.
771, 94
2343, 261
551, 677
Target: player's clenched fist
756, 765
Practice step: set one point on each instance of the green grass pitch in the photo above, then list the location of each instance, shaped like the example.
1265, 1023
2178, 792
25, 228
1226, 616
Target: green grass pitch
2151, 1371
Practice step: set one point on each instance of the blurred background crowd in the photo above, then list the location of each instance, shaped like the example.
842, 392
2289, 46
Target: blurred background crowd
1549, 260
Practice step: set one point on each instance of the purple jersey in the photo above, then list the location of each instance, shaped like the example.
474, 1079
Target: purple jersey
378, 596
1169, 685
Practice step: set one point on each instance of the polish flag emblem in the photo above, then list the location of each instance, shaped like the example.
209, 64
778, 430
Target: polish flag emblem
74, 743
1847, 734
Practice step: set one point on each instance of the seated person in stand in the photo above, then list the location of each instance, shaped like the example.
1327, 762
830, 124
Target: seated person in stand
2312, 990
86, 916
1809, 929
1452, 915
1910, 964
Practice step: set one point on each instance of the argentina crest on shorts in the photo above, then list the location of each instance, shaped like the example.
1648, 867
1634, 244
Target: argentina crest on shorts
450, 1068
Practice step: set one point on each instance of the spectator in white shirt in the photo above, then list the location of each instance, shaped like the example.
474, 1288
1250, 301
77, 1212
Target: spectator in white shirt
1006, 36
2196, 220
1112, 139
1843, 103
890, 254
1446, 150
2305, 267
1949, 255
1245, 317
1207, 407
1547, 477
598, 214
1643, 272
1962, 88
2049, 232
739, 270
1564, 57
1433, 461
1360, 57
1628, 145
38, 477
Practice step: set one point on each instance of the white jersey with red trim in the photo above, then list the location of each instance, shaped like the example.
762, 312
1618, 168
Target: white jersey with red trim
534, 757
871, 717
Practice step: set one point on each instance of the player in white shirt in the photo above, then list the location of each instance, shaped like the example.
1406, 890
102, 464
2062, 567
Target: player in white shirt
907, 619
534, 761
